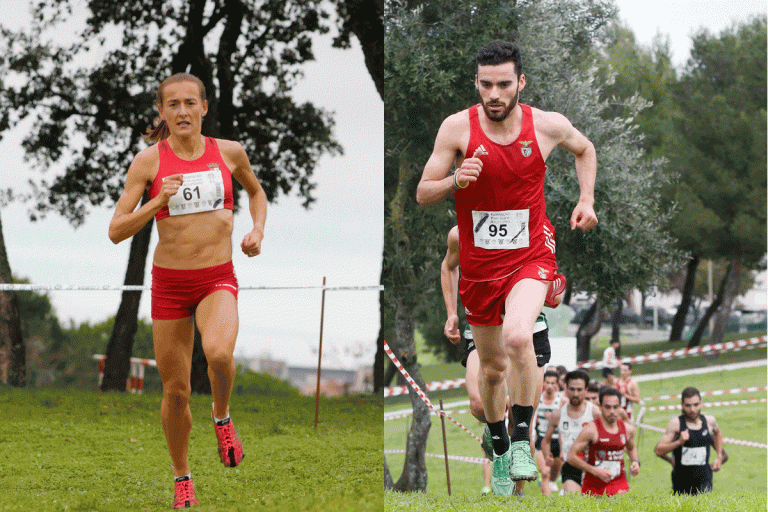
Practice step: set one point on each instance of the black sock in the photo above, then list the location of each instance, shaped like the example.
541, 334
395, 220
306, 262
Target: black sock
521, 421
499, 437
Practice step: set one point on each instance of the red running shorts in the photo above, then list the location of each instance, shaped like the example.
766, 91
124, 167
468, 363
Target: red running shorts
596, 487
484, 300
177, 292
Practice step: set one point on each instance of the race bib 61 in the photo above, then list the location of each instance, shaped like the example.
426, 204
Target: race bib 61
201, 192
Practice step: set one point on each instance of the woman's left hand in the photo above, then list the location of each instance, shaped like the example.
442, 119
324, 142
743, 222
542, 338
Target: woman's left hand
251, 245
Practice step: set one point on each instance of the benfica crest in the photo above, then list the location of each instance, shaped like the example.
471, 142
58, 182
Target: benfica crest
525, 150
542, 271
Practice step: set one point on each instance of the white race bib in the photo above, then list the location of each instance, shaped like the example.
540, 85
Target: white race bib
201, 192
614, 466
694, 456
501, 230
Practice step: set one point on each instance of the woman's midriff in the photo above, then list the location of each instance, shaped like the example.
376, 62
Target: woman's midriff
197, 240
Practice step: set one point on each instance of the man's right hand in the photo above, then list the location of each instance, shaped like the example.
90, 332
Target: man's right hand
603, 474
684, 436
452, 329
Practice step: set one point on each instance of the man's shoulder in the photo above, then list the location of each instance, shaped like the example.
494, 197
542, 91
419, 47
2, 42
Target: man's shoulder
549, 122
459, 120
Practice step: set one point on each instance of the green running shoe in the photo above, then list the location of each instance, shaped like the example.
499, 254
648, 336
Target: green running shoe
523, 467
487, 444
501, 483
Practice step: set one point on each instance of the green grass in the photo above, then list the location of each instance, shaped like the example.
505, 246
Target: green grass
73, 450
739, 486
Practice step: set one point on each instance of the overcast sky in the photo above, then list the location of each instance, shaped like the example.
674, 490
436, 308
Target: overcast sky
340, 237
681, 19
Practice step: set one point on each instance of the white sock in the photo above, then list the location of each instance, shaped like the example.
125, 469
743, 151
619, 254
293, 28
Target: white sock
218, 420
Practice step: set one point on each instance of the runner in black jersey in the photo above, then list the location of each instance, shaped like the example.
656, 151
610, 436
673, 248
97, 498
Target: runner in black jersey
689, 437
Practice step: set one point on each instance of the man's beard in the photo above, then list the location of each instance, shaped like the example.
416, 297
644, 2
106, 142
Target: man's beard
499, 116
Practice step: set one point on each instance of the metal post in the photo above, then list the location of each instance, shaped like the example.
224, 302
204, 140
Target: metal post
445, 448
319, 356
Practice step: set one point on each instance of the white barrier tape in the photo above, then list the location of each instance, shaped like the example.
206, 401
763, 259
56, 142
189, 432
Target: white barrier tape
4, 287
710, 404
474, 460
418, 390
712, 393
405, 414
135, 360
725, 439
681, 353
430, 386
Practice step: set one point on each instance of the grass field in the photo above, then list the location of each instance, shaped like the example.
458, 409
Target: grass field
739, 486
71, 450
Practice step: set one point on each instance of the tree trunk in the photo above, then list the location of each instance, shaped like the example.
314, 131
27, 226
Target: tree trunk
696, 338
388, 482
733, 280
616, 322
365, 19
120, 345
414, 476
588, 328
13, 369
678, 323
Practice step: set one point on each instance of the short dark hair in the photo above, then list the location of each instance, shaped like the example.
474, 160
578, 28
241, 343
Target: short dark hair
689, 392
628, 365
550, 373
498, 52
593, 387
561, 370
577, 374
608, 390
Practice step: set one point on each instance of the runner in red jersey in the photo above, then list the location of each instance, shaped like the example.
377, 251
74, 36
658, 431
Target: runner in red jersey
605, 440
189, 178
507, 247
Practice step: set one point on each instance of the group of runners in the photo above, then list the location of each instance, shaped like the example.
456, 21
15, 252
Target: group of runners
501, 261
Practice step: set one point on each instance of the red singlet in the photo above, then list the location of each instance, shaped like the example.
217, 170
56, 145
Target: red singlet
502, 216
211, 160
608, 453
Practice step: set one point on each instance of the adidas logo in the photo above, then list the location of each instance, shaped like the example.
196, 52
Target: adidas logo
495, 437
523, 424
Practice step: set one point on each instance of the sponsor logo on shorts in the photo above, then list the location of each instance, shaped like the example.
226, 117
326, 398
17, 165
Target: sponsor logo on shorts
543, 273
467, 311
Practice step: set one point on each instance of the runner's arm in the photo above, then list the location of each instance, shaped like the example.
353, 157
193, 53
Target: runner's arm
546, 442
670, 440
257, 198
717, 442
449, 281
587, 435
633, 392
125, 221
631, 448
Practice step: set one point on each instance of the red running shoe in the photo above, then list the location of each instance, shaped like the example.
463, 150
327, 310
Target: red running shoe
556, 288
184, 494
230, 447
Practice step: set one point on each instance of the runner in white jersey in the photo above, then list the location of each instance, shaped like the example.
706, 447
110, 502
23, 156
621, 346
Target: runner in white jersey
569, 420
549, 402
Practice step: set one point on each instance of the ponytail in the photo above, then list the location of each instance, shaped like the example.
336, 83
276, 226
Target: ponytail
159, 131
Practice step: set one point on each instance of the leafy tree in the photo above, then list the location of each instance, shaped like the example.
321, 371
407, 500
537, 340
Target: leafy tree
722, 157
89, 118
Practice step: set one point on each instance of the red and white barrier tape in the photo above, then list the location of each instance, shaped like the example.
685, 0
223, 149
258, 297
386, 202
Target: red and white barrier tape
710, 404
134, 383
419, 392
430, 386
725, 439
474, 460
405, 414
749, 343
712, 393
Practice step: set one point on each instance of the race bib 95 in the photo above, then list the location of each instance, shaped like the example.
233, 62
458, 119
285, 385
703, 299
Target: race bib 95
501, 230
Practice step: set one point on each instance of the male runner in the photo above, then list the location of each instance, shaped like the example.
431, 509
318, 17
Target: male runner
606, 439
689, 437
629, 389
507, 245
593, 390
569, 420
449, 280
610, 362
549, 402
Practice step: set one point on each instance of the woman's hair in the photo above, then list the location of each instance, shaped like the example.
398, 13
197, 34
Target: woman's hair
159, 129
